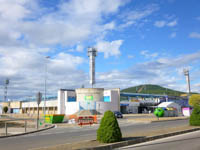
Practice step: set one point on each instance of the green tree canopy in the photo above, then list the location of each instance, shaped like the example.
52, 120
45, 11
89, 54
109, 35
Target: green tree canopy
194, 100
109, 130
5, 109
195, 116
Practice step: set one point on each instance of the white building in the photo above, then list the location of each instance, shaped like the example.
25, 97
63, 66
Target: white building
70, 102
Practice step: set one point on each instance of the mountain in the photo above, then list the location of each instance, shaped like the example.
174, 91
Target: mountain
153, 89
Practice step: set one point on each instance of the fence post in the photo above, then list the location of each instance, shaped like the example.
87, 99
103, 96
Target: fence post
25, 125
6, 128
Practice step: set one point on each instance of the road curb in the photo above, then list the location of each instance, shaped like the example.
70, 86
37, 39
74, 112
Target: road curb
168, 120
52, 126
137, 141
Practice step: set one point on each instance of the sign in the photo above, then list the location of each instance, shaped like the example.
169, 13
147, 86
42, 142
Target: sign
71, 99
87, 120
106, 98
39, 98
90, 98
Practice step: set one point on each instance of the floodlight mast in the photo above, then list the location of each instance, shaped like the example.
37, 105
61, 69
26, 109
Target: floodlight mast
92, 53
6, 89
186, 73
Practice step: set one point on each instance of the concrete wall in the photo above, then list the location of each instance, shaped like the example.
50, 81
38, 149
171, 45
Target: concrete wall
84, 94
62, 102
71, 108
52, 103
15, 104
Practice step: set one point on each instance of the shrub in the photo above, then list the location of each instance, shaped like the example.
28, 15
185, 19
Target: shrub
109, 130
5, 109
159, 112
194, 100
195, 116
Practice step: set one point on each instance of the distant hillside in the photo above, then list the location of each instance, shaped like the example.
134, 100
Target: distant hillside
152, 89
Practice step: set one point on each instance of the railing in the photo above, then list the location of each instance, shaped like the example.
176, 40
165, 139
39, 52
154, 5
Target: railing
18, 126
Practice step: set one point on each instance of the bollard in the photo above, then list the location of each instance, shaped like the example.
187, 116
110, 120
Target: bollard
6, 128
25, 126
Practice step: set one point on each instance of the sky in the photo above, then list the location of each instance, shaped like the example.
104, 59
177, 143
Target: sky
138, 42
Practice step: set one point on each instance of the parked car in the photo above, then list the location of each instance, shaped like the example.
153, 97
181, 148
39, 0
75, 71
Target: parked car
118, 114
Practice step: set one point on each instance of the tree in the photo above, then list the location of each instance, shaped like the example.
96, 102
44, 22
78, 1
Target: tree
109, 130
194, 100
5, 109
195, 116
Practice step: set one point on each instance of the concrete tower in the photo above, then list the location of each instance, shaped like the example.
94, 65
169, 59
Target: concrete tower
92, 53
186, 73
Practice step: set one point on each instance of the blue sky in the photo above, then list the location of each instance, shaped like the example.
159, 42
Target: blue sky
138, 42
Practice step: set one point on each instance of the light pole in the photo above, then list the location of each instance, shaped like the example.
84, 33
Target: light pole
45, 84
6, 89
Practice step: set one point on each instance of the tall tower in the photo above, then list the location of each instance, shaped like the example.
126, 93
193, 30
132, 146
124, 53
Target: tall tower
92, 53
186, 73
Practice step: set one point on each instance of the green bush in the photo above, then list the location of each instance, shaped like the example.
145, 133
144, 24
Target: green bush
159, 112
195, 116
194, 99
109, 130
5, 109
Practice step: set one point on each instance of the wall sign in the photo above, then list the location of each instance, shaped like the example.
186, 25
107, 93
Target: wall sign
90, 98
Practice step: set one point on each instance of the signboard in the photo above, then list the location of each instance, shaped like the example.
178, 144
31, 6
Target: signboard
90, 98
39, 97
106, 98
71, 99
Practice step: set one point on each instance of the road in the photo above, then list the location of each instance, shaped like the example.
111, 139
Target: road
75, 134
189, 141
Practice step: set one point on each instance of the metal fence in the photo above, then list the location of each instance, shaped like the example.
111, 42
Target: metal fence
9, 126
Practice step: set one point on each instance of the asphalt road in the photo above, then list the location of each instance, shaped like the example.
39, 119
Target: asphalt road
75, 134
189, 141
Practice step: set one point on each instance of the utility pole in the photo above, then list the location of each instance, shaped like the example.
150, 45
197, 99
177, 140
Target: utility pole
92, 53
45, 84
186, 73
39, 98
6, 89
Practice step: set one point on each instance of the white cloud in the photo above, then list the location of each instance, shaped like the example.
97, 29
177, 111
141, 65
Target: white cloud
148, 55
163, 71
198, 18
26, 68
163, 23
194, 35
173, 35
13, 10
72, 22
130, 56
79, 48
172, 23
160, 24
133, 17
109, 48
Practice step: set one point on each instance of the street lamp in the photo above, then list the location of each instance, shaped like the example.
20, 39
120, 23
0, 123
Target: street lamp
45, 82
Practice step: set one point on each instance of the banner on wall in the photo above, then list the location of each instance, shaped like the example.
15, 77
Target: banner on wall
89, 98
107, 99
71, 99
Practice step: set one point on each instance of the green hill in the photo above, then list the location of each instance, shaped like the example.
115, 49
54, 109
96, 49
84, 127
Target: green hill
152, 89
